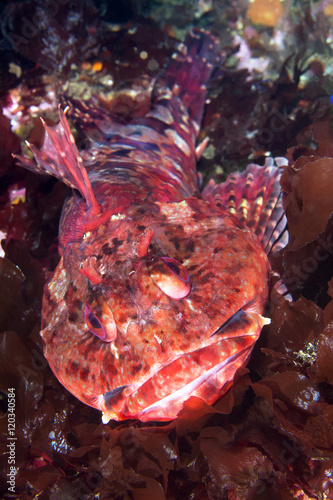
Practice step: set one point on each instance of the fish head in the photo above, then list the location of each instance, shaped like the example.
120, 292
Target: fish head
154, 307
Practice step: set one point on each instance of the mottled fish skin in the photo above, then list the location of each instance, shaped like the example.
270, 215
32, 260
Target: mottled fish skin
160, 290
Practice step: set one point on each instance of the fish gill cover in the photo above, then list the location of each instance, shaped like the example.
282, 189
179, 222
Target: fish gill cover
270, 436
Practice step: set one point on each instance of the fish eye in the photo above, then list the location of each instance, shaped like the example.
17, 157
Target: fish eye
176, 268
170, 276
93, 323
106, 330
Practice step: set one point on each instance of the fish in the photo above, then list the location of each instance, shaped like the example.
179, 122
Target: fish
160, 292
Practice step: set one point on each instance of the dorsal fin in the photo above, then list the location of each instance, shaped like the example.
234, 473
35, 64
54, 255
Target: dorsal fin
97, 123
60, 157
255, 198
188, 72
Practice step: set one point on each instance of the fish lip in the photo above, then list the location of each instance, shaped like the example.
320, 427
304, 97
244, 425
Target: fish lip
112, 402
186, 388
115, 401
250, 309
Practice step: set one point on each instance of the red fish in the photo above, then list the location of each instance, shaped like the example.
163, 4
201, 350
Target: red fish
160, 291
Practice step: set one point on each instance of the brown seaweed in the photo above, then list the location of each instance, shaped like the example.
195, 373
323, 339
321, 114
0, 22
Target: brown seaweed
270, 437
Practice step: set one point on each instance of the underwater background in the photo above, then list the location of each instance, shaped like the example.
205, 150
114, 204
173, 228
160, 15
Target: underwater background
271, 436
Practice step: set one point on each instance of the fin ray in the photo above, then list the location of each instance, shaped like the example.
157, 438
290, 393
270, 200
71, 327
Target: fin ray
60, 157
188, 72
96, 123
255, 198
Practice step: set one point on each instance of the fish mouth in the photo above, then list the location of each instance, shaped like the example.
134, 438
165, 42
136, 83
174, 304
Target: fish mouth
206, 373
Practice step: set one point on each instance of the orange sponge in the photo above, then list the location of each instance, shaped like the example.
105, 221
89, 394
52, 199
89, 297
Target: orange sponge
265, 12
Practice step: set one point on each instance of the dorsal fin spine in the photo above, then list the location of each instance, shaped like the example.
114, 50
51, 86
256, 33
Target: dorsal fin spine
88, 193
59, 156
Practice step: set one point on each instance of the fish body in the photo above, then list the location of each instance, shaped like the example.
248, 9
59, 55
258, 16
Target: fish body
160, 290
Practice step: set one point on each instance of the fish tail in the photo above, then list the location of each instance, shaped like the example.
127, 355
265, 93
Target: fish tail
255, 198
188, 73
